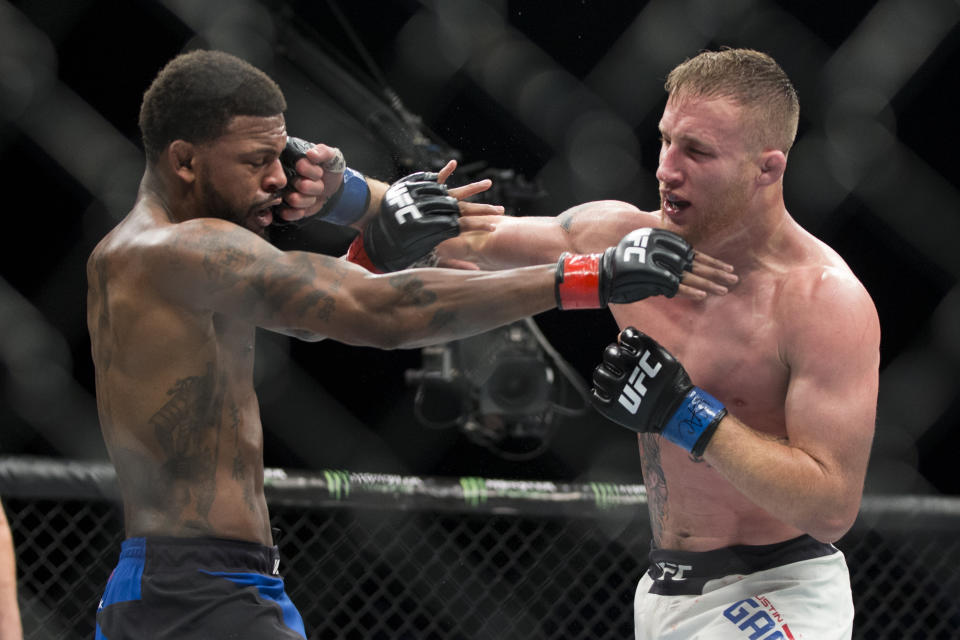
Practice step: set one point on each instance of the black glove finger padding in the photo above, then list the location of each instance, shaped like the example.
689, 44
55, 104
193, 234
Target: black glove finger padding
431, 197
295, 149
426, 189
606, 382
633, 271
619, 359
439, 206
421, 176
635, 341
671, 252
415, 216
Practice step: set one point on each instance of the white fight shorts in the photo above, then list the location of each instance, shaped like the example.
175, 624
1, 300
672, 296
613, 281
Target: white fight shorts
795, 589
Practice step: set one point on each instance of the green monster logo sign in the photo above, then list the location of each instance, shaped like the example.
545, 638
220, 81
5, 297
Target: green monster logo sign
474, 490
604, 494
338, 484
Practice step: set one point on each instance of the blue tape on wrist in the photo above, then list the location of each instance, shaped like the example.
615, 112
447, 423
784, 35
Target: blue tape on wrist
697, 412
354, 198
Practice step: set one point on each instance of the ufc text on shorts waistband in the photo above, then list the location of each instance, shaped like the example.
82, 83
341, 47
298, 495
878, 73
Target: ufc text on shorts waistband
686, 572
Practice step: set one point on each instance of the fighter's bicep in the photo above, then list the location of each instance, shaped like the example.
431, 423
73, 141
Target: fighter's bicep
593, 226
306, 295
832, 392
217, 266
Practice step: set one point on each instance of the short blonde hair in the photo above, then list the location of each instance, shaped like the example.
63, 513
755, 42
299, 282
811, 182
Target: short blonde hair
750, 78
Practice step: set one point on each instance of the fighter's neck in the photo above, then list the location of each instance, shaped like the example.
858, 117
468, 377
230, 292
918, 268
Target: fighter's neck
158, 195
754, 241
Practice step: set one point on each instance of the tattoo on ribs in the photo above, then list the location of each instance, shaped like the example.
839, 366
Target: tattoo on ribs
182, 428
655, 482
240, 466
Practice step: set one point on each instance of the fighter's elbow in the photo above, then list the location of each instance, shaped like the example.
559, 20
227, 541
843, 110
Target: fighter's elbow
831, 532
834, 525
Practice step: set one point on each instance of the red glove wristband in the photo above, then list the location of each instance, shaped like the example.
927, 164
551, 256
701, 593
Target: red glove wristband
578, 281
358, 255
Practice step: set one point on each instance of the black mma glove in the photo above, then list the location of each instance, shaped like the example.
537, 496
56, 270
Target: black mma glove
295, 149
416, 215
646, 262
344, 207
640, 386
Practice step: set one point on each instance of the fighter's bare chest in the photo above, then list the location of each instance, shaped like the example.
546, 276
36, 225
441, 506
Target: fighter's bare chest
730, 346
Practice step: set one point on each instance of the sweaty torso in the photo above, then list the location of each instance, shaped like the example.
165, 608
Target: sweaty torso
733, 347
177, 406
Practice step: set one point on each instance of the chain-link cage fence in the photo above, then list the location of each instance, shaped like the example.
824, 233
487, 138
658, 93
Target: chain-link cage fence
378, 556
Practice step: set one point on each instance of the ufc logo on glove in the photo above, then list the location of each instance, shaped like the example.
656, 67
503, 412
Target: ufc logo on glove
638, 252
635, 388
656, 396
398, 197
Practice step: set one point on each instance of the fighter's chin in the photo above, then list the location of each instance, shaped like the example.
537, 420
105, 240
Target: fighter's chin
260, 231
690, 230
258, 221
673, 223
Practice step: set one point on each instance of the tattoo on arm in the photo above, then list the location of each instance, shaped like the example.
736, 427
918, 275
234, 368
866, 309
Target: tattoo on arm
566, 221
321, 301
443, 319
221, 266
412, 287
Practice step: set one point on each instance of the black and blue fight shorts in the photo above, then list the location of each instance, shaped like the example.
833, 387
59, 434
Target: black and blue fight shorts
196, 588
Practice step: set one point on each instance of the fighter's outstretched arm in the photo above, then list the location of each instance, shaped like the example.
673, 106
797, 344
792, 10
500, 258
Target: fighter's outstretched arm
507, 242
209, 264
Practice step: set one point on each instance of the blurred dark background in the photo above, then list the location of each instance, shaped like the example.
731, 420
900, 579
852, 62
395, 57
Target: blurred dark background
559, 101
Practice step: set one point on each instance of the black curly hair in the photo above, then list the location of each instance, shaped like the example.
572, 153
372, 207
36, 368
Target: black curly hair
196, 94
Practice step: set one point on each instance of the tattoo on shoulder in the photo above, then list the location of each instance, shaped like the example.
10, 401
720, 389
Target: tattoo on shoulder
278, 288
222, 257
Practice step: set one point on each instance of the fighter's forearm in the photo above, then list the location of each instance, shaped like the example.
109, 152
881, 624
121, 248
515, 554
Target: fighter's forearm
513, 242
787, 481
414, 308
518, 241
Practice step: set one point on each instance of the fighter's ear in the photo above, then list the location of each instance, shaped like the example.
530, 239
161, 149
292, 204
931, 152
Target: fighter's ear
181, 156
773, 163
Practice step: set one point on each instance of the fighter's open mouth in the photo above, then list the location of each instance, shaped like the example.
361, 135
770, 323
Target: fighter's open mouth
673, 204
